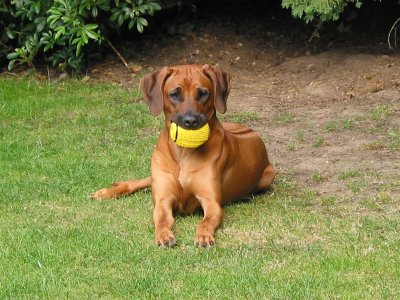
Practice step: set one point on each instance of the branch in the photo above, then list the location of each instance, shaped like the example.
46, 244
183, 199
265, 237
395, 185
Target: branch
390, 33
118, 54
5, 46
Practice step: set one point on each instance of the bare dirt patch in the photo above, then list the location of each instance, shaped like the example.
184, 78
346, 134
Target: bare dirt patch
324, 112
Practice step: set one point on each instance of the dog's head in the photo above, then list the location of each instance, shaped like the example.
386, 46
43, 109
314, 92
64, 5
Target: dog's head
189, 95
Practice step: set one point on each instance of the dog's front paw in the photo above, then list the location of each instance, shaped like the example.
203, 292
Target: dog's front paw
166, 239
204, 240
103, 194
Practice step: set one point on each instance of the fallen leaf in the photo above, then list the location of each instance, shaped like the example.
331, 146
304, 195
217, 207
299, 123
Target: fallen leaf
135, 68
41, 77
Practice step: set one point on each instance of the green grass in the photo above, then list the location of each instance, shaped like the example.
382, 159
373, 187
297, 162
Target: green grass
389, 140
354, 180
318, 178
394, 136
349, 174
60, 142
380, 112
335, 125
319, 142
283, 118
239, 117
293, 146
300, 135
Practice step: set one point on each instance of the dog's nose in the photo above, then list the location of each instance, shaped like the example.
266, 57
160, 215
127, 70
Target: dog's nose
190, 121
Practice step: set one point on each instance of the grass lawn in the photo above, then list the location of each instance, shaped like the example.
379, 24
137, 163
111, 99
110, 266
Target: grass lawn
60, 142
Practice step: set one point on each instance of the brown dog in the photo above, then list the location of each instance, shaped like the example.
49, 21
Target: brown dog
230, 165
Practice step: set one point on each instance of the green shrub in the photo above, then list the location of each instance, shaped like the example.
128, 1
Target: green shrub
323, 10
61, 29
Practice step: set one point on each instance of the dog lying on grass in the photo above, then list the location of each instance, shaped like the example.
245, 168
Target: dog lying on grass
198, 162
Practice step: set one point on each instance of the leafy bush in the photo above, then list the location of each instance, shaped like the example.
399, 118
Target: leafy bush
323, 10
61, 29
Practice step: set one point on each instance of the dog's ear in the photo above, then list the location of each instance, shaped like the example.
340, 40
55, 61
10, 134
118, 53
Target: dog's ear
222, 85
152, 88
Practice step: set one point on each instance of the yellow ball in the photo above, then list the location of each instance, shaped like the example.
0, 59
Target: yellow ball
189, 138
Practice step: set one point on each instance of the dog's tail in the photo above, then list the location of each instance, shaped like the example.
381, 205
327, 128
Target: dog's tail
132, 186
122, 188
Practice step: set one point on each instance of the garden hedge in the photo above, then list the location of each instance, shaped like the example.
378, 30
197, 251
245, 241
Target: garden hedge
63, 31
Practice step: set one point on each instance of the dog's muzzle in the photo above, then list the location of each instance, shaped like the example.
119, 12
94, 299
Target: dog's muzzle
190, 120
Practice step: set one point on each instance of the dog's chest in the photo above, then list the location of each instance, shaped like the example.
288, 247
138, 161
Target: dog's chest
187, 178
187, 175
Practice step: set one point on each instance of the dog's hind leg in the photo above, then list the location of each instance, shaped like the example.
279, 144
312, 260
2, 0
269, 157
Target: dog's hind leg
267, 178
122, 188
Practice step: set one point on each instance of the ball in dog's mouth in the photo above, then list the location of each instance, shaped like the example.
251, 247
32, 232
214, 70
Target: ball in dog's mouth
189, 138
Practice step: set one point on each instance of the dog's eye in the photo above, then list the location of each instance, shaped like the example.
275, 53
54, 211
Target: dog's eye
202, 95
174, 95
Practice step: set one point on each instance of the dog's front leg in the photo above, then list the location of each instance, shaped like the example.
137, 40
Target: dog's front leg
165, 192
213, 214
164, 221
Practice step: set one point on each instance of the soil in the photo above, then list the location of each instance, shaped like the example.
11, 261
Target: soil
328, 109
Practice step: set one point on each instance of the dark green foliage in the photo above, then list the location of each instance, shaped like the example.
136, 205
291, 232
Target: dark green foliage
323, 10
61, 29
64, 31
